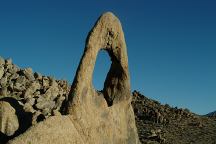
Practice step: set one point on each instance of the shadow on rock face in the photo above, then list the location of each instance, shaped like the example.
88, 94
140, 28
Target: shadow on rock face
24, 119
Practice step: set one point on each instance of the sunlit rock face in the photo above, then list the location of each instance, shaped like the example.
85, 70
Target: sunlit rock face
105, 116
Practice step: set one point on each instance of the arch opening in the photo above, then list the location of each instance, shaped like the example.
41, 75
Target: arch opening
101, 69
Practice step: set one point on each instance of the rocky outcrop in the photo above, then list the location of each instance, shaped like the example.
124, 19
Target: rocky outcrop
107, 114
104, 117
39, 95
34, 98
159, 123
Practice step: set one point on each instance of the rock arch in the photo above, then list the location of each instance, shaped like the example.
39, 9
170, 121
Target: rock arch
106, 116
102, 66
107, 34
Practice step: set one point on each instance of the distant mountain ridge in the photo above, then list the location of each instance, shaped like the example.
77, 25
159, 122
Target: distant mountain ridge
211, 114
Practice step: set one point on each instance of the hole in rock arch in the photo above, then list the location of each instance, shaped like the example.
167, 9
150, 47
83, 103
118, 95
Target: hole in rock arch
102, 66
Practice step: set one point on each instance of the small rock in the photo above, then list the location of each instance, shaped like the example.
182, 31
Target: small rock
45, 104
152, 134
12, 69
31, 90
45, 82
28, 108
1, 71
18, 87
8, 61
37, 117
3, 81
51, 93
31, 101
8, 68
28, 94
46, 111
158, 131
14, 76
37, 94
38, 76
29, 74
21, 80
59, 102
56, 113
35, 86
3, 91
17, 94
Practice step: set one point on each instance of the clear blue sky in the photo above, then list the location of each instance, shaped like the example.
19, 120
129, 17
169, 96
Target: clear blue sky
171, 44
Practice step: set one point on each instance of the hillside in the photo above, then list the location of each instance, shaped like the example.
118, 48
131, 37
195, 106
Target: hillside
41, 97
159, 123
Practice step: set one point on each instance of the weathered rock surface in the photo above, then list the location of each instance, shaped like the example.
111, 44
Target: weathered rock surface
55, 130
107, 114
104, 117
8, 119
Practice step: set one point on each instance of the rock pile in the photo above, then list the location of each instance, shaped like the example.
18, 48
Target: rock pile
39, 95
153, 111
159, 123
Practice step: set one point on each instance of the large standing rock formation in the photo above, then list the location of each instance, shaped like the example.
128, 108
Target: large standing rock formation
104, 117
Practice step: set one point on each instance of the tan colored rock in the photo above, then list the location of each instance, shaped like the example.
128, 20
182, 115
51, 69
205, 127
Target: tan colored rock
8, 120
54, 130
29, 74
32, 88
1, 71
3, 81
107, 116
3, 91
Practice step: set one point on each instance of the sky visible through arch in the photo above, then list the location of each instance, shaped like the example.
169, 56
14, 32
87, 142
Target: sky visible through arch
171, 44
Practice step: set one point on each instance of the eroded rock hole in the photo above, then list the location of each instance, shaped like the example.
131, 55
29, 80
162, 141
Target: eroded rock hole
101, 69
